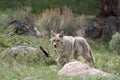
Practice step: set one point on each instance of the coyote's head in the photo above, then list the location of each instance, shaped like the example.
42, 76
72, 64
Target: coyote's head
56, 39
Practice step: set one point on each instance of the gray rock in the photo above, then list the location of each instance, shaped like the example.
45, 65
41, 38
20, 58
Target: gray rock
112, 25
76, 68
17, 50
93, 30
28, 78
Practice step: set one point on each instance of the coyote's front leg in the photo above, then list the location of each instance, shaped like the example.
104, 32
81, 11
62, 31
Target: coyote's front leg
58, 61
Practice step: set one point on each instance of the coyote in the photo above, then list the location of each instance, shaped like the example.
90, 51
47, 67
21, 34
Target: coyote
68, 45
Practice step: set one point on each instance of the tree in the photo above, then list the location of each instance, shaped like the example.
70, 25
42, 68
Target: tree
107, 21
109, 8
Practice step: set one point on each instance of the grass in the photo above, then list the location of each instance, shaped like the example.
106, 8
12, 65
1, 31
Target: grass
41, 72
36, 72
105, 60
10, 69
90, 7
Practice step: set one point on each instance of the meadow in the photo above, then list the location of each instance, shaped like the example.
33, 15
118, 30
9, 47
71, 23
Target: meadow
20, 69
12, 69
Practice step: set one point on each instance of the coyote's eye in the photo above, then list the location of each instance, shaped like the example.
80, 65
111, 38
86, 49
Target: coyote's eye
58, 40
53, 40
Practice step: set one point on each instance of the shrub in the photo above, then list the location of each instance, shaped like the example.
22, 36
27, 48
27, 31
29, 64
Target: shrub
58, 19
115, 42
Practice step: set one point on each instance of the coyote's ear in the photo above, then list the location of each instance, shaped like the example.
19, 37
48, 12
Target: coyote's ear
61, 34
52, 33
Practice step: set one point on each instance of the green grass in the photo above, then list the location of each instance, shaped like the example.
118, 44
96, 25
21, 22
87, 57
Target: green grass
41, 72
90, 7
13, 70
10, 69
36, 72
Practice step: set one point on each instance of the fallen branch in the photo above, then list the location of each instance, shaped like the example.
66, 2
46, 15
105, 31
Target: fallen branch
44, 51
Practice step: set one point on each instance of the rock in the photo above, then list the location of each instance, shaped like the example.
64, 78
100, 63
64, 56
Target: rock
28, 78
104, 29
17, 50
93, 30
77, 68
112, 25
24, 28
23, 52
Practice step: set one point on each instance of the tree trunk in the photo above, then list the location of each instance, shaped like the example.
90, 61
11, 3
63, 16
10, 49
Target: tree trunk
109, 8
107, 22
108, 17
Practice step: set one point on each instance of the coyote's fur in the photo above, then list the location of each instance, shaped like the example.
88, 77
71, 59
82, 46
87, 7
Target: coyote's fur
68, 45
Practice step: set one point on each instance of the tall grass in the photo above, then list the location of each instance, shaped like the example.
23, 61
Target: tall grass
61, 20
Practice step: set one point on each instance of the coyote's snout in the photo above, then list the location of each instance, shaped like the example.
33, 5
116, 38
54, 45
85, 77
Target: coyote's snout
68, 45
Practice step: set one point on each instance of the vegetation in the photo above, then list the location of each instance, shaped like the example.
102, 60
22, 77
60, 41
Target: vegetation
11, 69
114, 43
49, 15
56, 20
38, 6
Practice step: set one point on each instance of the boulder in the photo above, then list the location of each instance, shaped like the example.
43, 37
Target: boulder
23, 52
103, 28
76, 68
112, 25
93, 30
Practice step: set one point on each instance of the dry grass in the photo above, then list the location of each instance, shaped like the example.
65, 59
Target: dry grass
58, 19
